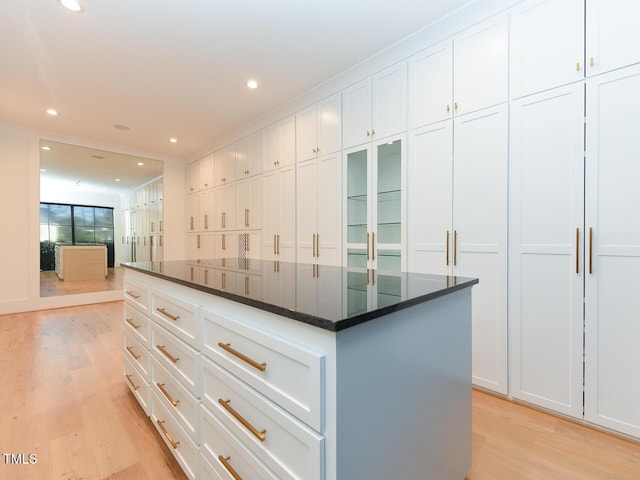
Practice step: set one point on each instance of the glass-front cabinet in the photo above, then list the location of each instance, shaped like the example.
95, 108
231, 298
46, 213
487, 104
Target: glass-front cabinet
375, 222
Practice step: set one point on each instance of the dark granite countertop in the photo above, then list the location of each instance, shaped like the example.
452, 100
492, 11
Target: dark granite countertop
332, 298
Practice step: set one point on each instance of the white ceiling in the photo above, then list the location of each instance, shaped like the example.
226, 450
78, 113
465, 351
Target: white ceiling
178, 68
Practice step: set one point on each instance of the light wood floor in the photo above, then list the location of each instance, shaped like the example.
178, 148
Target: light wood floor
63, 398
51, 285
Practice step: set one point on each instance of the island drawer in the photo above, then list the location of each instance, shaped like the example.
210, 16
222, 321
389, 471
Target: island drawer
137, 294
289, 374
226, 453
176, 315
136, 384
176, 398
136, 323
179, 358
137, 354
176, 439
283, 443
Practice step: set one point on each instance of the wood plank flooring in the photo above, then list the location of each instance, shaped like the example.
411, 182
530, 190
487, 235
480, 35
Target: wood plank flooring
62, 397
51, 285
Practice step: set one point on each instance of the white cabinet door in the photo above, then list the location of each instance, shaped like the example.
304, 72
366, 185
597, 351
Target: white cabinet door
193, 213
307, 202
306, 134
357, 114
329, 209
270, 214
286, 248
480, 235
547, 45
612, 209
249, 203
249, 156
205, 172
390, 101
192, 183
271, 143
613, 37
330, 125
545, 259
431, 85
430, 197
225, 165
206, 211
225, 207
480, 65
287, 142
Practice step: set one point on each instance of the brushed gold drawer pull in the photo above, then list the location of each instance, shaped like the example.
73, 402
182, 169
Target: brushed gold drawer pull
133, 385
131, 352
373, 246
447, 248
166, 394
162, 348
227, 346
577, 250
229, 468
368, 248
455, 248
260, 435
167, 314
590, 250
132, 294
173, 443
130, 322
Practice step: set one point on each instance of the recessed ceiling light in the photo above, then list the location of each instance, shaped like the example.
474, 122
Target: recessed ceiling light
45, 148
43, 169
140, 164
117, 179
121, 127
72, 5
252, 84
52, 112
173, 140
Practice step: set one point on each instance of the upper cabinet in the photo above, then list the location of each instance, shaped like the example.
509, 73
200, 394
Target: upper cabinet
376, 107
225, 165
192, 178
461, 75
612, 37
319, 129
279, 142
249, 156
547, 45
205, 172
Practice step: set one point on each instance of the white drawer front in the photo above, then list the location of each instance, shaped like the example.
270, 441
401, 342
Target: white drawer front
178, 357
136, 384
288, 447
176, 315
137, 354
177, 399
219, 444
136, 323
287, 373
209, 472
137, 294
176, 439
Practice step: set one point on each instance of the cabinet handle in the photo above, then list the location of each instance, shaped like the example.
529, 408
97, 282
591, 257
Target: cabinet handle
132, 353
314, 150
317, 245
448, 108
368, 133
228, 467
191, 274
577, 66
314, 246
447, 248
274, 243
373, 132
166, 394
278, 237
373, 246
206, 277
191, 226
247, 236
590, 250
133, 385
373, 277
160, 240
123, 239
317, 149
132, 294
152, 226
224, 280
223, 219
577, 250
130, 322
227, 346
313, 270
260, 435
173, 443
160, 226
224, 241
592, 62
246, 285
198, 240
246, 223
455, 105
367, 276
206, 222
162, 348
368, 255
455, 247
167, 314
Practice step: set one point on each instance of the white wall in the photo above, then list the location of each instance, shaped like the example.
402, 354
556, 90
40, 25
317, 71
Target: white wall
20, 215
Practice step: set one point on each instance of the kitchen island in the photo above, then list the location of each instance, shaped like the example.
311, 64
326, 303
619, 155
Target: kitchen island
262, 370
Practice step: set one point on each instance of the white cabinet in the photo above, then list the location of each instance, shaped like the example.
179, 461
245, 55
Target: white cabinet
205, 172
462, 75
376, 107
547, 45
375, 207
612, 35
319, 129
206, 210
225, 207
193, 212
612, 252
249, 156
458, 223
192, 184
279, 214
546, 270
319, 210
279, 142
249, 203
225, 165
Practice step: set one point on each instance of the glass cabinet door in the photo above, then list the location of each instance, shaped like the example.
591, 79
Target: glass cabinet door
388, 211
358, 209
